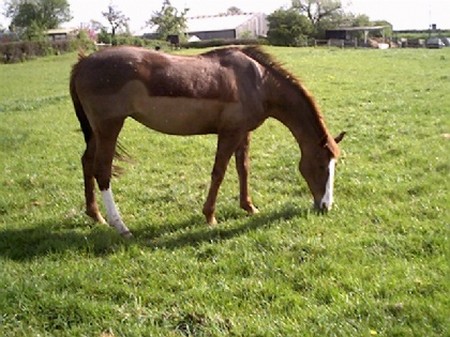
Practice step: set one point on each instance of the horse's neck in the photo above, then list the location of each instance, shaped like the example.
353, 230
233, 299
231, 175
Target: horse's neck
299, 116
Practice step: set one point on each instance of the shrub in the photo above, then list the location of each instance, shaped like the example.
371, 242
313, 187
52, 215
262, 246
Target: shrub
20, 51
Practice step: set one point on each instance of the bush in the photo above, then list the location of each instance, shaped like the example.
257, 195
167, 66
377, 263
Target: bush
83, 42
20, 51
129, 40
288, 28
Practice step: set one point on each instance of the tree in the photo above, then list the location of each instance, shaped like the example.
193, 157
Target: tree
316, 10
116, 19
169, 21
31, 17
288, 28
321, 13
388, 27
361, 20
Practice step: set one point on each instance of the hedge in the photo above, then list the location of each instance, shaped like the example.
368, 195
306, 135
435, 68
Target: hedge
24, 50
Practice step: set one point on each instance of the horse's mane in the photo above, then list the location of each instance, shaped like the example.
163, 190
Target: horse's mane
265, 59
282, 75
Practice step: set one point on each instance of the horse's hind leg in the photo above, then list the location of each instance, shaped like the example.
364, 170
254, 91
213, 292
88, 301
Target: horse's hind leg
242, 167
106, 140
87, 161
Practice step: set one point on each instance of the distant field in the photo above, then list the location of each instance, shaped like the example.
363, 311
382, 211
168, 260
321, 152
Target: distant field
377, 265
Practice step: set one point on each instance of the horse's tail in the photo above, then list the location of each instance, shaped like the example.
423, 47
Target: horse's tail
79, 110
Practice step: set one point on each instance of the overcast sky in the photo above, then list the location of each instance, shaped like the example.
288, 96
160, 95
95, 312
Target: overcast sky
403, 14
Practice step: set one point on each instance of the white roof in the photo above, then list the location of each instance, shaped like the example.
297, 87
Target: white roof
194, 38
58, 31
216, 22
213, 23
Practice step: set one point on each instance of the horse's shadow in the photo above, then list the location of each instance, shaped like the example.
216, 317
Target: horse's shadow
47, 238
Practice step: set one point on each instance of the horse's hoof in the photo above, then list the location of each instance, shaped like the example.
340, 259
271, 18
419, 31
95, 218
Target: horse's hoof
212, 221
253, 210
96, 217
127, 235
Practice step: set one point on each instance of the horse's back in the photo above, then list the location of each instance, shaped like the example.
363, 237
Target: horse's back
169, 93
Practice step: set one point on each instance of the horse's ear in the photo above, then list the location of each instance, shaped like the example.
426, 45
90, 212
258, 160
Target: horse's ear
339, 137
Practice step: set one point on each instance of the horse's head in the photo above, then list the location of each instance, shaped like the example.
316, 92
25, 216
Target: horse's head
317, 166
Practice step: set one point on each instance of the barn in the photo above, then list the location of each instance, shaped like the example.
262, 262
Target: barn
247, 25
224, 26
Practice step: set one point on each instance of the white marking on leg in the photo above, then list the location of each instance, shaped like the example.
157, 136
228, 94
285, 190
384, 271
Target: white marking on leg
327, 199
113, 215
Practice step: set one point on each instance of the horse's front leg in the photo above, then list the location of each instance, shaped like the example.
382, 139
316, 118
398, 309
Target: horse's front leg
226, 145
243, 167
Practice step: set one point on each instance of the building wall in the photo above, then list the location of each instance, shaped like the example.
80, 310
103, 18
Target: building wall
220, 34
228, 27
254, 27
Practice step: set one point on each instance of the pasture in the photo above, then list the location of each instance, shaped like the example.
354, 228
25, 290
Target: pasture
376, 265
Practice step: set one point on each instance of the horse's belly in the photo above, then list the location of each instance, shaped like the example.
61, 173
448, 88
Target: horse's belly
182, 116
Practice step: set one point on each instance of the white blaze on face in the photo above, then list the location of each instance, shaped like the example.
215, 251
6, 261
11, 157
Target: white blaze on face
327, 200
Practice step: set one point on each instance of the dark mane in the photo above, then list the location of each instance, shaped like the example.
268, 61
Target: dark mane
275, 67
282, 75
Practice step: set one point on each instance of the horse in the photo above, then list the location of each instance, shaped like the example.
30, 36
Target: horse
228, 91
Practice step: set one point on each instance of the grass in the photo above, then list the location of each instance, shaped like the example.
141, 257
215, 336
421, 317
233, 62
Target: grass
377, 265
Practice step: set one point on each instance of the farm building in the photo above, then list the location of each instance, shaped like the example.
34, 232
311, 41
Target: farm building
349, 33
60, 34
247, 25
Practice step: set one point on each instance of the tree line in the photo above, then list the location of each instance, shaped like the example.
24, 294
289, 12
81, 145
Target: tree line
292, 26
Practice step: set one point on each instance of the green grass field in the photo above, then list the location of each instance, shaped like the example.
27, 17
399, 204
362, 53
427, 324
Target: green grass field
377, 265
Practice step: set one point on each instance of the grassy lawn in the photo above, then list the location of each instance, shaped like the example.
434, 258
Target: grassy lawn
377, 265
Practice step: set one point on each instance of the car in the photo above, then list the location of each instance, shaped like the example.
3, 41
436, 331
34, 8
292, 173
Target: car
434, 42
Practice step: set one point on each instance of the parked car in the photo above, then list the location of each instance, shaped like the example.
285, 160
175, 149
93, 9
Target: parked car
434, 42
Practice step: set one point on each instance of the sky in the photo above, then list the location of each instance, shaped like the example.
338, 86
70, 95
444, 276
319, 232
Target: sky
403, 14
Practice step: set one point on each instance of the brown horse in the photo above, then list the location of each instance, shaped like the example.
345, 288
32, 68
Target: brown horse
228, 92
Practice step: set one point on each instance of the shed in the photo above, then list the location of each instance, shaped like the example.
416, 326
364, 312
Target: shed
61, 33
347, 33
